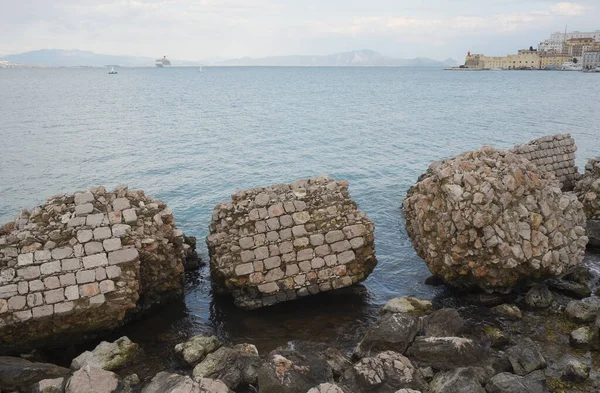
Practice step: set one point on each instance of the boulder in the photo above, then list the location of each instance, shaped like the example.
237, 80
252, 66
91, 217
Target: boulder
497, 337
393, 332
407, 305
290, 371
445, 322
387, 372
107, 356
593, 232
511, 383
539, 296
570, 288
445, 353
509, 311
19, 374
588, 189
56, 385
165, 382
89, 379
583, 310
326, 388
579, 274
236, 367
584, 337
489, 219
575, 370
81, 265
459, 380
286, 241
337, 361
195, 349
525, 357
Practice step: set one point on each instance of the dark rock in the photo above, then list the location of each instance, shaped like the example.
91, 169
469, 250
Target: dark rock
497, 337
570, 288
580, 275
511, 383
593, 233
237, 367
525, 357
445, 322
539, 296
434, 280
509, 311
394, 331
445, 353
575, 370
90, 379
584, 310
387, 372
289, 371
165, 382
192, 260
20, 374
490, 299
459, 380
337, 361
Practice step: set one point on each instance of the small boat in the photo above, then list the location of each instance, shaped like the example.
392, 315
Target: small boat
570, 66
597, 69
112, 71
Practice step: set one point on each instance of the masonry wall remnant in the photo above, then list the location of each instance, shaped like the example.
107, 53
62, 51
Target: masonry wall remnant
277, 243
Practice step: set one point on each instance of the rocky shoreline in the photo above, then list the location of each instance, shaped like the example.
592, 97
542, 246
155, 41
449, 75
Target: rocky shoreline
503, 232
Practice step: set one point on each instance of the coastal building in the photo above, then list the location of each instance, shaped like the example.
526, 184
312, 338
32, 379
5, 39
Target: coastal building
553, 60
576, 47
556, 41
524, 59
591, 60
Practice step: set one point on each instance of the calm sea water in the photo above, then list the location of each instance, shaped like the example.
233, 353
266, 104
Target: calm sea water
192, 139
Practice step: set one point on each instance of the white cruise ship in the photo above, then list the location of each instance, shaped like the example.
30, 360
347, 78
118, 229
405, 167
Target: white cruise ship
162, 62
570, 66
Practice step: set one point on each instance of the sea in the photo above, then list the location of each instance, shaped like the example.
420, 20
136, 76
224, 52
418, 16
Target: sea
193, 138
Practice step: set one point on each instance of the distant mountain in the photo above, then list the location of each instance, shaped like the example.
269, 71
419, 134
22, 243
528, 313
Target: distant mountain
354, 58
79, 58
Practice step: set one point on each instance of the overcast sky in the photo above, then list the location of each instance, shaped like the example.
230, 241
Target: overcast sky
200, 29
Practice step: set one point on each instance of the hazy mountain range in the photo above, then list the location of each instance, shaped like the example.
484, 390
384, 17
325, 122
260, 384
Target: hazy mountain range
79, 58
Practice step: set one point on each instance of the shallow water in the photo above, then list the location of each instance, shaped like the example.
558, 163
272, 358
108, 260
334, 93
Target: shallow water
192, 139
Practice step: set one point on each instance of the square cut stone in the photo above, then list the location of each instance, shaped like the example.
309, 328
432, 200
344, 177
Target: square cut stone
89, 290
305, 266
260, 239
275, 210
289, 207
111, 244
120, 230
92, 248
70, 264
244, 269
25, 259
42, 311
50, 267
317, 239
29, 272
357, 242
286, 221
330, 260
300, 205
23, 287
35, 299
286, 247
122, 256
303, 255
95, 220
36, 285
114, 217
273, 262
299, 230
269, 287
342, 246
17, 302
85, 276
301, 242
273, 224
291, 270
84, 235
246, 243
129, 216
100, 273
301, 217
67, 279
82, 210
261, 253
121, 204
23, 315
72, 292
76, 222
322, 251
334, 236
84, 197
102, 233
97, 300
317, 263
61, 308
107, 286
78, 250
7, 275
285, 234
95, 260
247, 255
272, 236
259, 266
346, 257
113, 271
43, 255
62, 253
260, 226
51, 282
353, 231
54, 296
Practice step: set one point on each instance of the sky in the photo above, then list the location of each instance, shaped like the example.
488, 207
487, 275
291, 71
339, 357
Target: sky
208, 29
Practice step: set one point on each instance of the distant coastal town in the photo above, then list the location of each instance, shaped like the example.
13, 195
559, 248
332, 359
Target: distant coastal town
574, 51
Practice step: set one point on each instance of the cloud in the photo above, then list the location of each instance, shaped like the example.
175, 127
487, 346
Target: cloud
567, 9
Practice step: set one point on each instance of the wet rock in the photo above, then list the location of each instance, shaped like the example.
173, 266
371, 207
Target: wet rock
90, 379
19, 374
489, 219
579, 274
444, 353
583, 310
56, 385
497, 337
326, 388
107, 356
509, 311
434, 280
445, 322
407, 305
511, 383
393, 332
570, 288
192, 260
195, 349
165, 382
525, 357
584, 337
130, 382
460, 380
575, 370
387, 372
539, 296
337, 361
288, 371
588, 189
593, 232
236, 367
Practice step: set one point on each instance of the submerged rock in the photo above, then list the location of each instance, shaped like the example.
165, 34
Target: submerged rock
107, 356
593, 232
90, 379
236, 367
19, 374
279, 243
195, 349
489, 219
445, 353
525, 357
407, 305
86, 263
509, 311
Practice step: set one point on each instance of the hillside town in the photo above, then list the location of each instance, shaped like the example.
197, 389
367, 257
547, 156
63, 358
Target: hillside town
574, 51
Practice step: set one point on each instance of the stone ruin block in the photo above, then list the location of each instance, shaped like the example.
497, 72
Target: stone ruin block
553, 153
278, 243
82, 263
